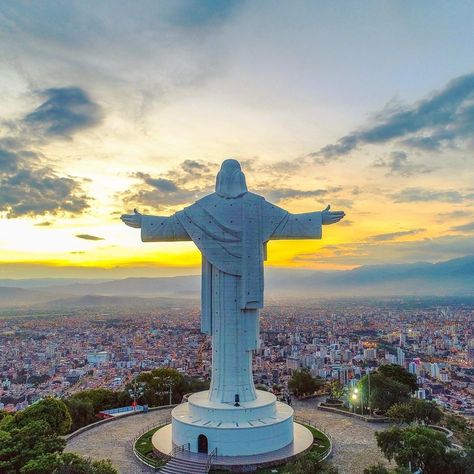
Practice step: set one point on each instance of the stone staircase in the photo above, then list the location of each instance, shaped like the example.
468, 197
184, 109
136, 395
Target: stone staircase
183, 466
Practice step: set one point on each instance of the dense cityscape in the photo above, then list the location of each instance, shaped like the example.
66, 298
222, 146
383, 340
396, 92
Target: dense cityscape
58, 355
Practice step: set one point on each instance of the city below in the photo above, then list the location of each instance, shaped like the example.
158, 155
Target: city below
58, 353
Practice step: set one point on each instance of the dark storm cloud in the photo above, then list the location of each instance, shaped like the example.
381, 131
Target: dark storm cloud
440, 120
398, 163
464, 227
64, 111
88, 237
394, 235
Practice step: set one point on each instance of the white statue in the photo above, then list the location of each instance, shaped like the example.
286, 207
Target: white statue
231, 228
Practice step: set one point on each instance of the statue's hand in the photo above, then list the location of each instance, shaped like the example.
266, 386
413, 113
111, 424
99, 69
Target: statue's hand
331, 217
132, 220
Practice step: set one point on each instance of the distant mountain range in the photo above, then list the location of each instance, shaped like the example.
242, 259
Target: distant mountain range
449, 278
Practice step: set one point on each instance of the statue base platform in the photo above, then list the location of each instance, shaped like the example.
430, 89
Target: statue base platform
255, 433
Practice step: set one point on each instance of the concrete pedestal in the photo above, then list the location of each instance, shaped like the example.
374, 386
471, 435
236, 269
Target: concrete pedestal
258, 426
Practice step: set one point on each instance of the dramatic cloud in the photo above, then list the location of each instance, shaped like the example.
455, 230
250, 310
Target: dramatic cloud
276, 195
158, 193
8, 161
28, 188
188, 181
44, 224
193, 173
65, 111
443, 216
427, 195
363, 253
394, 235
398, 163
464, 227
89, 237
444, 119
29, 185
160, 184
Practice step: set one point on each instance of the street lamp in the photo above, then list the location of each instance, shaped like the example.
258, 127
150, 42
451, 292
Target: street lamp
136, 391
354, 399
167, 381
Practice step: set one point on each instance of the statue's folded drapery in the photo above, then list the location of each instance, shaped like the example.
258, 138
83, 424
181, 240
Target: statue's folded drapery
232, 235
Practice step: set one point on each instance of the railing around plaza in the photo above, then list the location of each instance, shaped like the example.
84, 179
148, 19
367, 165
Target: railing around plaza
179, 449
210, 458
305, 421
154, 463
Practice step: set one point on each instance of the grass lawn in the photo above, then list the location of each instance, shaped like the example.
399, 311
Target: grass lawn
144, 447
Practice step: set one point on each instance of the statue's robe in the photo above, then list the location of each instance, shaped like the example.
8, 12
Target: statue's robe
232, 234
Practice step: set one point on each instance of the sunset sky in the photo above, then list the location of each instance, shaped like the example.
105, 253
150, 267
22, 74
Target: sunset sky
106, 106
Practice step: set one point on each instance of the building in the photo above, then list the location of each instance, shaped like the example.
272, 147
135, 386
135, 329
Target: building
97, 358
370, 354
400, 357
434, 371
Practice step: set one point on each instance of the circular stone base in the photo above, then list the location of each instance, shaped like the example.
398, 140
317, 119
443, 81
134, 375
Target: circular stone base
302, 442
248, 429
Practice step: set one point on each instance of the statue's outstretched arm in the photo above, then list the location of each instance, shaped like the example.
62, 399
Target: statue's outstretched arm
306, 225
156, 228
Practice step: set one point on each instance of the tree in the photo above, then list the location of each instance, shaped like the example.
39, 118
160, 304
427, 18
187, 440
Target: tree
381, 469
336, 389
384, 391
303, 383
455, 423
22, 444
310, 464
398, 373
84, 406
43, 464
101, 398
422, 448
157, 385
50, 410
30, 442
419, 411
82, 412
67, 463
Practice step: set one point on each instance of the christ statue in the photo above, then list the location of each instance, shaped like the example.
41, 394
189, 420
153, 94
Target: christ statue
231, 227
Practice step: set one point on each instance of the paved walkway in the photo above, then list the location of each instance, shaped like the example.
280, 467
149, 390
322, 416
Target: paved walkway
114, 441
354, 444
355, 447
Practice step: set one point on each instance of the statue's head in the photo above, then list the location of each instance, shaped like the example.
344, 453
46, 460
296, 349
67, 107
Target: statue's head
230, 181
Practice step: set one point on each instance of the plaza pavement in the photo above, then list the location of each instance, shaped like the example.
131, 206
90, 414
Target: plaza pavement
354, 443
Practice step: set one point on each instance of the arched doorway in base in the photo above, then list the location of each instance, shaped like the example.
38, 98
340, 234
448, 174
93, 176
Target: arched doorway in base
202, 444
